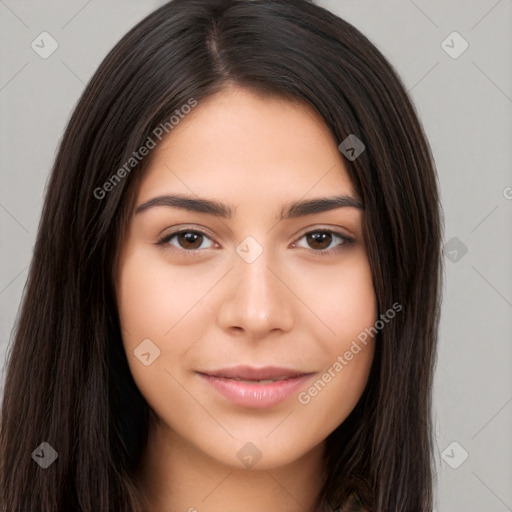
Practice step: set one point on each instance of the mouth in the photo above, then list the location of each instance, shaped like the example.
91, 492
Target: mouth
249, 373
260, 381
256, 388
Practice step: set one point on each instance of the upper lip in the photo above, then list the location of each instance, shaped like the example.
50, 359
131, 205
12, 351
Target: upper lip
251, 373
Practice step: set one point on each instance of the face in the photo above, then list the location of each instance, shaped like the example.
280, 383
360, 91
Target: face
239, 316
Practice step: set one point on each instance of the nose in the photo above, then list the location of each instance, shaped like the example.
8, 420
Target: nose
256, 299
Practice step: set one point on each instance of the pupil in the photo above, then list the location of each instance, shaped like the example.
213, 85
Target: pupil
319, 237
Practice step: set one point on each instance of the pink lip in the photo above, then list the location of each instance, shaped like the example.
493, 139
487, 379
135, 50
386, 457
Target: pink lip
253, 394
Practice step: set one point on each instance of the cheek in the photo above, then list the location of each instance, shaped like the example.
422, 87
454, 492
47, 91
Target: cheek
153, 297
353, 303
162, 304
150, 303
140, 301
348, 306
343, 298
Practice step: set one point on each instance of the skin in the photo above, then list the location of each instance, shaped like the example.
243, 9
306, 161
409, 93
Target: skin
290, 307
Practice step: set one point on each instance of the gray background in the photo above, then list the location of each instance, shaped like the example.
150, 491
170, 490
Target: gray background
465, 105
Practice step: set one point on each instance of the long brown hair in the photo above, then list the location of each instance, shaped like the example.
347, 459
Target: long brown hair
68, 382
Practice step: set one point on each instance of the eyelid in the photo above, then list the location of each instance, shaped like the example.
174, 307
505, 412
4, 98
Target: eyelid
346, 240
164, 240
337, 230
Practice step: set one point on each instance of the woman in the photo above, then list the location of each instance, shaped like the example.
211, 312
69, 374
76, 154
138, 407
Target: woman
256, 369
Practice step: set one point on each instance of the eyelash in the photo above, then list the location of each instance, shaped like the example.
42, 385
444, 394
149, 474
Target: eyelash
164, 242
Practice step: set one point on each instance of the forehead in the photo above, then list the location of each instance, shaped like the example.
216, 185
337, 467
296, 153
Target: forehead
240, 144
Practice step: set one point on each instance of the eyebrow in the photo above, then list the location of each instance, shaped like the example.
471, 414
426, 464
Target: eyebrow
218, 209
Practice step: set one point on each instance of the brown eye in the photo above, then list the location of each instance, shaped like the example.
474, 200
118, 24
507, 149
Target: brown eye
323, 241
187, 240
319, 239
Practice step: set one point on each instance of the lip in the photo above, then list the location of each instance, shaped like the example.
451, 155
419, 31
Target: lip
251, 373
238, 384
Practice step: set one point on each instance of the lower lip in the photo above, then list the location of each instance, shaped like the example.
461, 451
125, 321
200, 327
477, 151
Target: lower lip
254, 395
